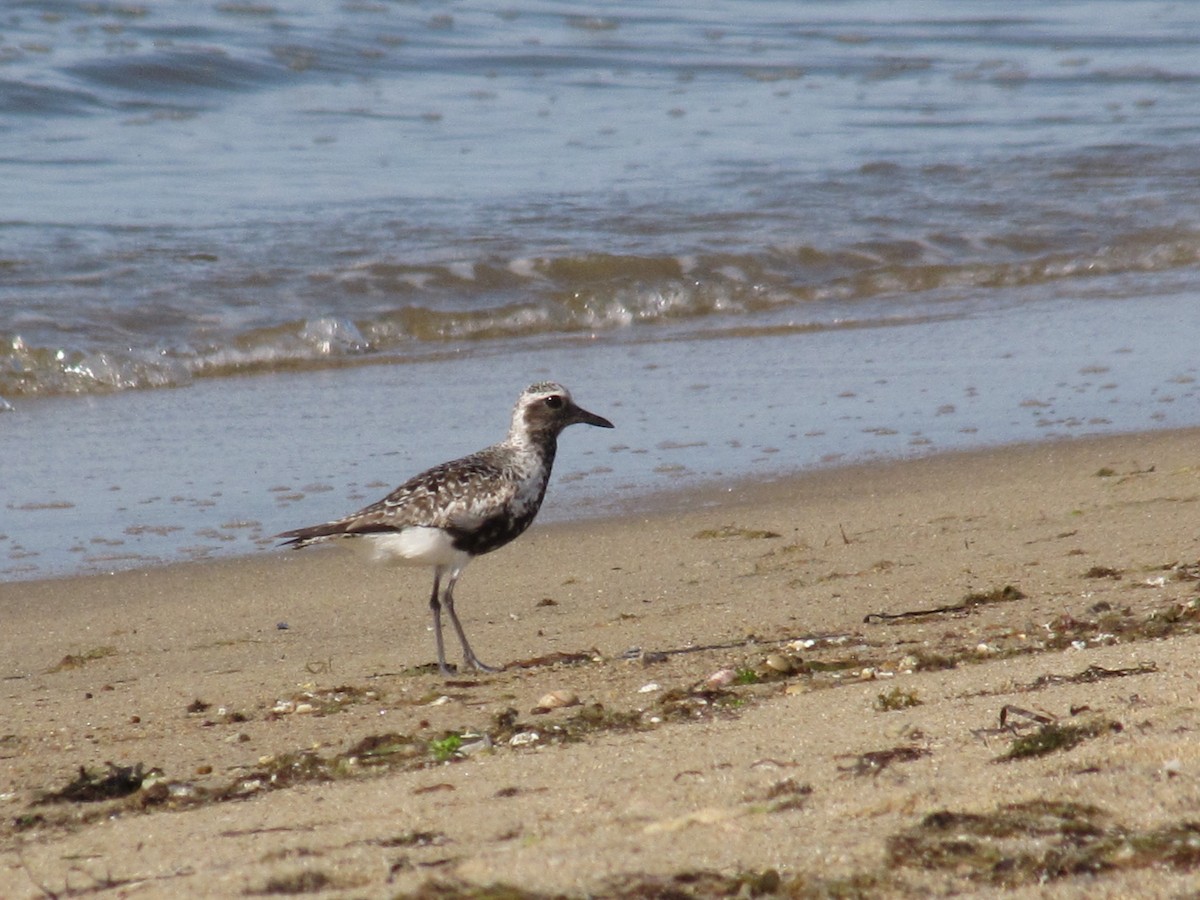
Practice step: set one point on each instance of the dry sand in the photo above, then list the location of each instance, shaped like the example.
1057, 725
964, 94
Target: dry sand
305, 759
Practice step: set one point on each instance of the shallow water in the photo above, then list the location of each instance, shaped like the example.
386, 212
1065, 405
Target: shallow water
258, 263
106, 482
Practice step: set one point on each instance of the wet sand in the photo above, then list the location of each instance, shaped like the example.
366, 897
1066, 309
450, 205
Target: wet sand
758, 707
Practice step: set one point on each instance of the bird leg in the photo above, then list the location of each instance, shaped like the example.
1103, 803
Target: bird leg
436, 608
469, 657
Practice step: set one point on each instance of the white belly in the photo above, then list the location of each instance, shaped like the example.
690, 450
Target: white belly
415, 546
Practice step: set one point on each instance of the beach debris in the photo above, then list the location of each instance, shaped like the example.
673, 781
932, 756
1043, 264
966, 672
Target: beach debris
1052, 737
556, 700
1050, 734
222, 715
524, 739
79, 660
684, 704
587, 719
445, 748
928, 661
481, 743
1088, 676
1039, 842
414, 839
720, 678
384, 749
647, 657
322, 701
108, 784
557, 658
781, 663
707, 883
1009, 710
897, 698
308, 881
747, 675
736, 531
785, 794
1185, 571
875, 761
1006, 594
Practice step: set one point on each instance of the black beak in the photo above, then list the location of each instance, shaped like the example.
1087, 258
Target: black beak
582, 416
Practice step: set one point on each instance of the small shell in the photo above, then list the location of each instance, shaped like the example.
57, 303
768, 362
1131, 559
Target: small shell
720, 678
780, 663
484, 743
558, 699
649, 688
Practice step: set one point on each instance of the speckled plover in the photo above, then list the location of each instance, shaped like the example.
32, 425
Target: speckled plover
450, 514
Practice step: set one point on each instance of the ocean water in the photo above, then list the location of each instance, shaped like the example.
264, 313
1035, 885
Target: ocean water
260, 262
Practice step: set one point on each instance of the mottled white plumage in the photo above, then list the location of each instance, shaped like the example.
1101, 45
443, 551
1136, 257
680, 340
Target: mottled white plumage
417, 545
448, 515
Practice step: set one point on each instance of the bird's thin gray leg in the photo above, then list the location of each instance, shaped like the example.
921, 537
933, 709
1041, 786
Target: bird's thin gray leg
436, 608
469, 656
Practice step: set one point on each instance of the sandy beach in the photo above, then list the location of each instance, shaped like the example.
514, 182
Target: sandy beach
957, 674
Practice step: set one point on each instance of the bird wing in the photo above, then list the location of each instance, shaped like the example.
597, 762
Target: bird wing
457, 495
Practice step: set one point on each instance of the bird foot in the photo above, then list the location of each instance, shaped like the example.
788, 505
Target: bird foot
448, 671
473, 663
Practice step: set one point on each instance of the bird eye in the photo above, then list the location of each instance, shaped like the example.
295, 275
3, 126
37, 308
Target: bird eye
554, 401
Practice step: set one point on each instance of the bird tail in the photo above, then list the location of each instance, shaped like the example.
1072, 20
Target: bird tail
312, 534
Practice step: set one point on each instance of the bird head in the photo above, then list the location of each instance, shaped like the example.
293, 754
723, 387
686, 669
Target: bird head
546, 408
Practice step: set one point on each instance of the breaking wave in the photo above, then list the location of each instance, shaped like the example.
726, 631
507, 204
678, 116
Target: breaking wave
389, 311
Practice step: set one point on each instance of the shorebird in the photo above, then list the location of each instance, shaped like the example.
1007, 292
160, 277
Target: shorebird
461, 509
